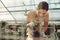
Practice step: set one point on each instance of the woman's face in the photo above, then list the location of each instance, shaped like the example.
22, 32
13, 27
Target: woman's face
42, 11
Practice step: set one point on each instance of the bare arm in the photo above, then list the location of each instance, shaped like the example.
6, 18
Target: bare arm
31, 16
28, 17
46, 22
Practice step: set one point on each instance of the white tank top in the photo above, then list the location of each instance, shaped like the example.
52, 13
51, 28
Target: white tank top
41, 20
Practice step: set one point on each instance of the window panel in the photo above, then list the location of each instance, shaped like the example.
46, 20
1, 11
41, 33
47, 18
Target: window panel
6, 17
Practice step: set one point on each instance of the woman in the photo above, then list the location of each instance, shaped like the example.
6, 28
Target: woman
37, 20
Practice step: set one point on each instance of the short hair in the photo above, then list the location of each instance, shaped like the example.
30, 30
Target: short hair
43, 5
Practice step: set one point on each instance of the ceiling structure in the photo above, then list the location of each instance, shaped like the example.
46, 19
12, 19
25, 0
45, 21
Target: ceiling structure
16, 10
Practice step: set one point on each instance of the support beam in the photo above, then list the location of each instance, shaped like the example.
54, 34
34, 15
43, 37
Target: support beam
8, 11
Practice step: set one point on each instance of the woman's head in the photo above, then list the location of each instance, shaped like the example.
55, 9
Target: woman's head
43, 5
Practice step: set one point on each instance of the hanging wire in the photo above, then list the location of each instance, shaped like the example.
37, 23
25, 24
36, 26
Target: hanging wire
25, 9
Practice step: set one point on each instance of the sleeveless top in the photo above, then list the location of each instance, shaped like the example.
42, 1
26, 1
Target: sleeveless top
40, 19
40, 24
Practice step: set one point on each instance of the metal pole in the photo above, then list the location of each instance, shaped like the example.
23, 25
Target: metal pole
8, 11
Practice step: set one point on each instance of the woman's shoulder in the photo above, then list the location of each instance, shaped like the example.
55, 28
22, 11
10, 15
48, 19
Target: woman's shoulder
47, 14
31, 12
